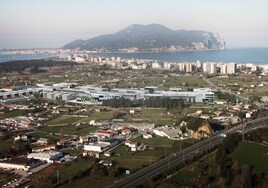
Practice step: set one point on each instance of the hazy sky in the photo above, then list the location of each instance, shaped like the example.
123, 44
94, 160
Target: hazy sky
53, 23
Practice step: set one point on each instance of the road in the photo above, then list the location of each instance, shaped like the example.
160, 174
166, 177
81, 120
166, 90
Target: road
164, 164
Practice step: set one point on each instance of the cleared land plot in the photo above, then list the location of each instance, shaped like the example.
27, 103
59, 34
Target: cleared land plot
253, 154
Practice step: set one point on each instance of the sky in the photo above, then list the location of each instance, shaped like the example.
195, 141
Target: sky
53, 23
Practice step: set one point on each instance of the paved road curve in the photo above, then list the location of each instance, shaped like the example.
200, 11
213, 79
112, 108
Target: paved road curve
162, 165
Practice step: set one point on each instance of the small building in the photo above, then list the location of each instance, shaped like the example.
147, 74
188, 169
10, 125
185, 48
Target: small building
134, 148
104, 133
106, 162
61, 143
248, 115
126, 131
131, 143
95, 154
132, 111
170, 133
84, 138
44, 148
42, 141
147, 136
99, 147
17, 163
21, 137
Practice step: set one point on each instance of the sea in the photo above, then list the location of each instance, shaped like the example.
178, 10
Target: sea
237, 55
14, 57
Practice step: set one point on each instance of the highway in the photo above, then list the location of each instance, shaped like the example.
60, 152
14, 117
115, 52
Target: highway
166, 163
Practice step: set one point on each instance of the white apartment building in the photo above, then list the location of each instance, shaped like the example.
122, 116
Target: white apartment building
231, 68
223, 68
213, 68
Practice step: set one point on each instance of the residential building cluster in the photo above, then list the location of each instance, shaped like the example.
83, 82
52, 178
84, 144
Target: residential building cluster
222, 68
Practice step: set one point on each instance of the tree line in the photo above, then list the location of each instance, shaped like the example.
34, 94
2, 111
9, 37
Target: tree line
33, 65
154, 102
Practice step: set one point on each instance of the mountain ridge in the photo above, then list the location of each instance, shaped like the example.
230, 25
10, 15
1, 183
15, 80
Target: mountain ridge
151, 38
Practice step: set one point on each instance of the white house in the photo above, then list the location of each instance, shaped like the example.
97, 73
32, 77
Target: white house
170, 133
131, 144
49, 156
147, 136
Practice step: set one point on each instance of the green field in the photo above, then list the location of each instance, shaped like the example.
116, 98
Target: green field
132, 163
64, 120
158, 116
4, 146
43, 134
164, 82
14, 113
103, 115
187, 176
242, 80
156, 141
152, 111
184, 176
71, 170
83, 117
70, 129
158, 147
253, 154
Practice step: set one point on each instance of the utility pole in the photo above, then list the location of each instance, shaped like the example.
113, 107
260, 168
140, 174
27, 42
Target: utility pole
168, 163
243, 129
58, 177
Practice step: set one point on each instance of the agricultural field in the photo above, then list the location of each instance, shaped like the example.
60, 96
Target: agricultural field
63, 120
158, 116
